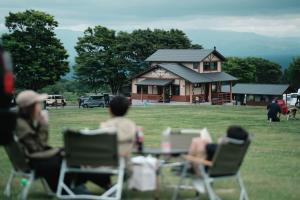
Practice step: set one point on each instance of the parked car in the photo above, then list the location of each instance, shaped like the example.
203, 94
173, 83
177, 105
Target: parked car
291, 98
56, 100
7, 114
94, 101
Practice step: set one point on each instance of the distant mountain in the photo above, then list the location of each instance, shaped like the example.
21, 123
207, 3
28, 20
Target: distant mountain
279, 50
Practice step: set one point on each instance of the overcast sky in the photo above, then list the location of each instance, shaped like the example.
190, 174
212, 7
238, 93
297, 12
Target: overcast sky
280, 18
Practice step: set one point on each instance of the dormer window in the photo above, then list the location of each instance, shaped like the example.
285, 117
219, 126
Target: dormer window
195, 65
210, 66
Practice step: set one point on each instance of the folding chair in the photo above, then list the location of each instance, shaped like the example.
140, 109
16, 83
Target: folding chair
225, 164
179, 139
94, 151
21, 169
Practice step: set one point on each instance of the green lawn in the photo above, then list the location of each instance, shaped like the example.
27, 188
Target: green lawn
271, 168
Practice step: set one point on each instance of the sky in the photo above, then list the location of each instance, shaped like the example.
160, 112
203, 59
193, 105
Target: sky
276, 18
262, 28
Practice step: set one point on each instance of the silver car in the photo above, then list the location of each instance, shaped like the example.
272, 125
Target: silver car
94, 101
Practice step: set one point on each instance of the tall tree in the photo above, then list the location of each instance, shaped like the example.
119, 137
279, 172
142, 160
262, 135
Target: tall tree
140, 44
265, 70
99, 61
239, 68
39, 57
293, 73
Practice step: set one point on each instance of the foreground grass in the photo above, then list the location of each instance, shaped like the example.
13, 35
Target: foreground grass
271, 168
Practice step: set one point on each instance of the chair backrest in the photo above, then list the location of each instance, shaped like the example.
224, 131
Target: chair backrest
17, 157
91, 148
182, 139
228, 157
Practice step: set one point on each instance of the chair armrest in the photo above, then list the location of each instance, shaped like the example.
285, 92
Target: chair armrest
198, 160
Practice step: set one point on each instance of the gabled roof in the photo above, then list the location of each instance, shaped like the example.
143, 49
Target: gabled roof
158, 82
182, 55
184, 72
192, 76
260, 89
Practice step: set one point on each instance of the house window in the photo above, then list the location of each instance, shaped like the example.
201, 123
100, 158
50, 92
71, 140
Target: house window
210, 66
142, 87
175, 90
195, 65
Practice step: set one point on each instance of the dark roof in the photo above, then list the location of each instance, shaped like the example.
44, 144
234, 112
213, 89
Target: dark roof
195, 77
184, 72
262, 89
158, 82
182, 55
219, 76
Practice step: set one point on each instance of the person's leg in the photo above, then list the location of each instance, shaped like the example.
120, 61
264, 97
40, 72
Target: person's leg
210, 151
49, 169
275, 119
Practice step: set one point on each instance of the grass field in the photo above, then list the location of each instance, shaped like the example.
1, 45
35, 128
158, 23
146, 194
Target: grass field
272, 166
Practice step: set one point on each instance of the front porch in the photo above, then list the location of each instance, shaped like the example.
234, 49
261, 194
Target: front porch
165, 91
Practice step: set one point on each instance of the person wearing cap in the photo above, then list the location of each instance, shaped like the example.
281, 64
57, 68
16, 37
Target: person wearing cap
32, 133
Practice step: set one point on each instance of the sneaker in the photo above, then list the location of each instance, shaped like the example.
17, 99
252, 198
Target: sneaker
199, 185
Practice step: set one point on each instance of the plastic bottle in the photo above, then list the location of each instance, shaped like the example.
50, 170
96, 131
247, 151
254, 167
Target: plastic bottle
23, 182
165, 141
140, 139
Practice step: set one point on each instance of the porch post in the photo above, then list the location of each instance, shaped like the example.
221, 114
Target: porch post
163, 94
209, 92
230, 91
191, 93
142, 93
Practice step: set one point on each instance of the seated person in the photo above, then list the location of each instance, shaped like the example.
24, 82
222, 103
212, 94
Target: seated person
205, 149
32, 132
273, 111
126, 128
233, 132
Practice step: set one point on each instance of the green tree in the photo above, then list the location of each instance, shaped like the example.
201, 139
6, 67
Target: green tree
140, 44
39, 57
99, 61
240, 68
265, 70
293, 73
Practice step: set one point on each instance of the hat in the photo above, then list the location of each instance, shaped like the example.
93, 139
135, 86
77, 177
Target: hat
29, 97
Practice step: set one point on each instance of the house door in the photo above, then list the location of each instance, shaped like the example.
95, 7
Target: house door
159, 90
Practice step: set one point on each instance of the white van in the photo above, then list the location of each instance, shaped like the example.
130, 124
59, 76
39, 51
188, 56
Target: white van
291, 99
55, 100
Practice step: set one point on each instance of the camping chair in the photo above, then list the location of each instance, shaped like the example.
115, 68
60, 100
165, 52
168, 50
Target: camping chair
91, 151
225, 164
21, 169
179, 139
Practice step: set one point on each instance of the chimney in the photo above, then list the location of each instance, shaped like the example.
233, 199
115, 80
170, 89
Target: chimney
215, 48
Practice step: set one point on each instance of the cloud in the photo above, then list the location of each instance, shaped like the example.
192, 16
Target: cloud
273, 18
278, 26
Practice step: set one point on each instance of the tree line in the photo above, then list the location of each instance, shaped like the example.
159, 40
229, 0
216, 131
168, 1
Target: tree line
107, 58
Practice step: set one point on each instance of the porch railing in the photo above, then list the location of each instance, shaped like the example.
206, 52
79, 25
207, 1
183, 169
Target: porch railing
156, 97
220, 98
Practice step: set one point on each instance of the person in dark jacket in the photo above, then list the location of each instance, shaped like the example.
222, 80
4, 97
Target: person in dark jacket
274, 111
32, 133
